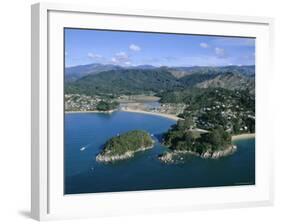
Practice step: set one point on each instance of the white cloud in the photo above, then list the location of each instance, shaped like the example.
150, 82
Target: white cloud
114, 60
204, 45
94, 56
122, 54
134, 47
128, 63
121, 58
220, 52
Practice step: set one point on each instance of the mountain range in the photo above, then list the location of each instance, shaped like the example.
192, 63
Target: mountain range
113, 79
75, 72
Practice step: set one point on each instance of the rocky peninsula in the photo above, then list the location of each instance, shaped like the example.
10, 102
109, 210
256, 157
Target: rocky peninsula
183, 139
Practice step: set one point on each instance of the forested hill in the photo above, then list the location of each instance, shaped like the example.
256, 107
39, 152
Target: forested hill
125, 81
229, 81
156, 80
246, 70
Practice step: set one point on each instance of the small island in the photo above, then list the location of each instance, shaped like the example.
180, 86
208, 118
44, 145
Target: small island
124, 146
182, 139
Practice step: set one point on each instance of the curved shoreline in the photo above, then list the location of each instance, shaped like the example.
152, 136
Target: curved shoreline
243, 136
90, 111
169, 116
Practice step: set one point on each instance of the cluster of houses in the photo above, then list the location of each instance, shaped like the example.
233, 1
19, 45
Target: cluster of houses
164, 108
170, 108
77, 102
227, 113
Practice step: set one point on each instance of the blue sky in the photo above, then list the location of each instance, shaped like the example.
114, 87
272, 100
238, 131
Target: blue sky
136, 48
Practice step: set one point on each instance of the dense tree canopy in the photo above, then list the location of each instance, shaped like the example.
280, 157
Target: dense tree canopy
129, 141
106, 106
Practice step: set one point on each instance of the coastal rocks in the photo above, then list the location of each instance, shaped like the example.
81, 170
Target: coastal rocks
166, 157
220, 153
175, 156
106, 158
207, 154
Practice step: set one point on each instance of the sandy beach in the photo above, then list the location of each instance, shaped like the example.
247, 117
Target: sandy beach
243, 136
170, 116
90, 111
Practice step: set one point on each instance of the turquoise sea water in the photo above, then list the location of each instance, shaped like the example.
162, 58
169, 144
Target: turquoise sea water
85, 134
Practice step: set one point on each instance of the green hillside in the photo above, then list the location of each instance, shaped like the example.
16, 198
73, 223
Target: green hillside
126, 81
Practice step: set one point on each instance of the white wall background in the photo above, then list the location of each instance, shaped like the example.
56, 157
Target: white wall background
15, 110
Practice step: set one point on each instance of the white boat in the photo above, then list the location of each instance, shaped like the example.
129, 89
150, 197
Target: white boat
83, 148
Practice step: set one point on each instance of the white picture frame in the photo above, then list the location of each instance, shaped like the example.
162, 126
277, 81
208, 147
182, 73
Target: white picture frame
48, 201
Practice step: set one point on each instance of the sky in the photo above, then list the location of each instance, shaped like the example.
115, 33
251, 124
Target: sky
84, 46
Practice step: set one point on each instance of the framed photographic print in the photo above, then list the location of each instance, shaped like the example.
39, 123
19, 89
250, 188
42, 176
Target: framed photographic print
148, 111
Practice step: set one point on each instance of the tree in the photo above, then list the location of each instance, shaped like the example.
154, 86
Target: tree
250, 122
103, 106
214, 138
236, 126
189, 139
185, 124
188, 122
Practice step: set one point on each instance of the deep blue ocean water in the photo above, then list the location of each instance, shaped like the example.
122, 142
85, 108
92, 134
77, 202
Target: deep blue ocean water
85, 134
